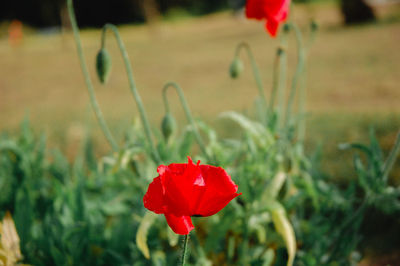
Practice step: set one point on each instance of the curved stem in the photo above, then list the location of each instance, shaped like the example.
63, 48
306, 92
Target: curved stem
132, 85
184, 249
299, 71
254, 67
93, 100
187, 112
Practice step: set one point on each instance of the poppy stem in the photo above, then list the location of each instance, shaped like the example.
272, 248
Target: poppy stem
256, 72
302, 88
281, 87
184, 249
88, 81
187, 112
298, 73
275, 82
132, 86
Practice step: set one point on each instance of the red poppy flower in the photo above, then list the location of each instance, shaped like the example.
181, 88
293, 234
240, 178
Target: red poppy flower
274, 11
184, 190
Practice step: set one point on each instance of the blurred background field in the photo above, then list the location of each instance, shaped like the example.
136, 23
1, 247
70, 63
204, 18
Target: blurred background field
353, 77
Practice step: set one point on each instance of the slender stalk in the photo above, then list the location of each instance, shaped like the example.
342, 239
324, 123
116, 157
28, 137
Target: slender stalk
132, 85
282, 78
387, 167
302, 87
275, 81
184, 250
187, 112
302, 106
299, 71
245, 240
256, 72
92, 96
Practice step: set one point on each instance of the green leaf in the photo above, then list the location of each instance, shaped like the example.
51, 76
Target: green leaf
260, 134
268, 257
275, 186
387, 167
285, 229
141, 235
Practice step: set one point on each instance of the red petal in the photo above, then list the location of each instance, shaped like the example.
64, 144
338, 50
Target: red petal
153, 199
272, 27
184, 185
181, 225
276, 10
220, 190
254, 9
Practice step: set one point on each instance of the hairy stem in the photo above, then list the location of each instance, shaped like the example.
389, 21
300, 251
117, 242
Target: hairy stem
132, 86
89, 85
254, 68
187, 112
184, 250
298, 73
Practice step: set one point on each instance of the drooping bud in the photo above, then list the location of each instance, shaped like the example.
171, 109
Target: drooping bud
168, 126
103, 65
314, 25
286, 28
236, 68
280, 50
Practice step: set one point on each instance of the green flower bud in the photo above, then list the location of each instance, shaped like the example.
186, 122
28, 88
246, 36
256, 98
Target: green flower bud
314, 26
103, 65
280, 50
168, 126
286, 28
236, 68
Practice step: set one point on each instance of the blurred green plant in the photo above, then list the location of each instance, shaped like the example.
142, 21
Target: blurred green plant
90, 212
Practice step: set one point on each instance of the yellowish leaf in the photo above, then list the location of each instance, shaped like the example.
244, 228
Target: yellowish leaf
141, 235
9, 244
285, 229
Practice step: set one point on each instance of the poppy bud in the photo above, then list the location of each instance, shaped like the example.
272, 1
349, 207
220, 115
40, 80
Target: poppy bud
236, 68
103, 65
286, 28
314, 26
168, 125
280, 50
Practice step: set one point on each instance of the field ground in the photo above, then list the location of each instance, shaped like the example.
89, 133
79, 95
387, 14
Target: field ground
353, 77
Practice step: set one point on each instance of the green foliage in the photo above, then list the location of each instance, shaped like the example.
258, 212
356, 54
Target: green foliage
90, 211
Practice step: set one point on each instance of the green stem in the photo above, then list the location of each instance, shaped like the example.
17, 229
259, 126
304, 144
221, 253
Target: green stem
387, 167
245, 240
132, 85
93, 100
275, 81
302, 107
299, 71
184, 250
254, 67
282, 77
302, 88
187, 112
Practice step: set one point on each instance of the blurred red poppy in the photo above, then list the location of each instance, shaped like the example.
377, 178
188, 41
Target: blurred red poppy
274, 11
184, 190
